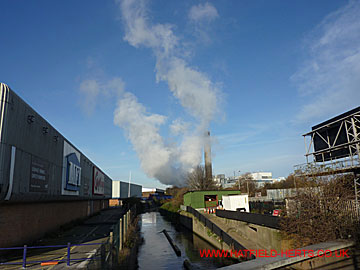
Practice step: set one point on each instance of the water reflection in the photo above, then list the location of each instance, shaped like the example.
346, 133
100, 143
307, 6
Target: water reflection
156, 252
151, 218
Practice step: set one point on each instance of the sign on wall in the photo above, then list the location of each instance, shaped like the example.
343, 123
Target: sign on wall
71, 174
98, 182
39, 177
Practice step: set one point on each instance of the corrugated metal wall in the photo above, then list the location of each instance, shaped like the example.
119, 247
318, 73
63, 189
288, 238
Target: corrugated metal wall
38, 155
121, 190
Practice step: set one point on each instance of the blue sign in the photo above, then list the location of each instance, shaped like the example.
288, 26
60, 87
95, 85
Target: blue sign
73, 172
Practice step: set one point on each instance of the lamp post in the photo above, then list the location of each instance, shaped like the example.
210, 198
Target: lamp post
239, 182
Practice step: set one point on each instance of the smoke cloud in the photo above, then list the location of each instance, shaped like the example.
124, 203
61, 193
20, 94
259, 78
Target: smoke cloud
194, 90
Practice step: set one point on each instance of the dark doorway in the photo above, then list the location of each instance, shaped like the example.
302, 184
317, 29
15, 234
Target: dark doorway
211, 200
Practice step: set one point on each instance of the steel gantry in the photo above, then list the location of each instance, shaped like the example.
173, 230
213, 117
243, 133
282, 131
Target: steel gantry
333, 147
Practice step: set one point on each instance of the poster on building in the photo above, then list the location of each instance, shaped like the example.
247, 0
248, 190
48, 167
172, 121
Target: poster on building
98, 182
39, 177
71, 172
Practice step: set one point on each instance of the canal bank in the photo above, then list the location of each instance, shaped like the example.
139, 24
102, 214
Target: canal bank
198, 228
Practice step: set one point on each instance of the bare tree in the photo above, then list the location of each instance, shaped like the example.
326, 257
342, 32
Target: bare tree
246, 184
196, 180
322, 213
290, 182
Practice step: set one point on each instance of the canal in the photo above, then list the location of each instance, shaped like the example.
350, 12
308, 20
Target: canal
157, 253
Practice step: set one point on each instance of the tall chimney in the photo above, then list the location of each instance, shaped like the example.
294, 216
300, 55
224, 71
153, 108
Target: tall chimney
207, 157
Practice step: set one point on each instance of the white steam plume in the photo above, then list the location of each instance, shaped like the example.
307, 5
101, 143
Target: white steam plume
195, 91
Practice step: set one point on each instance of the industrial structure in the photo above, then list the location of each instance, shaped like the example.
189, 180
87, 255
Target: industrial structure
206, 198
121, 190
333, 147
146, 192
262, 178
258, 178
45, 181
207, 157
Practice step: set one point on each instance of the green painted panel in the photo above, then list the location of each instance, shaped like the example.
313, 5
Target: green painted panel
196, 199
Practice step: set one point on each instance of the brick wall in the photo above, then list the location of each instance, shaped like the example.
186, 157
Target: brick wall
22, 223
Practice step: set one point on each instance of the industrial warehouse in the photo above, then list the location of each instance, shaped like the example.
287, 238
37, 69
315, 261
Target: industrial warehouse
45, 181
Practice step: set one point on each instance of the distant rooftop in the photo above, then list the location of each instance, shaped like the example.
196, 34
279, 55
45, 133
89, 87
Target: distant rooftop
144, 189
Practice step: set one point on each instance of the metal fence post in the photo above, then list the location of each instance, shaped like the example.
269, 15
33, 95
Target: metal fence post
103, 255
111, 238
120, 233
125, 227
24, 257
68, 254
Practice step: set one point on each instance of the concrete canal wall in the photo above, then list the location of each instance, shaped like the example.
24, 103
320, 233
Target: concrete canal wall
262, 237
193, 224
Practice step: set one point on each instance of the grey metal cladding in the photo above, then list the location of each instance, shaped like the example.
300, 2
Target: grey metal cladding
4, 151
39, 155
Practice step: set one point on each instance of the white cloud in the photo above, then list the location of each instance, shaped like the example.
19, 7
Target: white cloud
114, 87
92, 91
200, 16
203, 12
329, 79
89, 90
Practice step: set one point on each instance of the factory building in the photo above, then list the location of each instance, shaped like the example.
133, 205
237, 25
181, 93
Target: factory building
258, 178
261, 178
45, 181
121, 190
147, 192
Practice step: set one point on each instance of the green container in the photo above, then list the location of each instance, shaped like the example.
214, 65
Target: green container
206, 198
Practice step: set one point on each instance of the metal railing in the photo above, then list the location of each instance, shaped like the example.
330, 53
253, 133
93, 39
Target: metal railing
312, 168
259, 219
104, 253
231, 242
68, 259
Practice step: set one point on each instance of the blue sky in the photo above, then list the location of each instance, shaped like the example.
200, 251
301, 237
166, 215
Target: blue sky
134, 84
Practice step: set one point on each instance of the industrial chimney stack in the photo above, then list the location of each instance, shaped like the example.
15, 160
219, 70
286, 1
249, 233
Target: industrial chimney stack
207, 156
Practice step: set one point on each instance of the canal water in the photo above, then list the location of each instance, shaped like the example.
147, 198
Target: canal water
157, 253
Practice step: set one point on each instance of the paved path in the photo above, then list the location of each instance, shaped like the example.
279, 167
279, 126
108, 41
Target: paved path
96, 229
